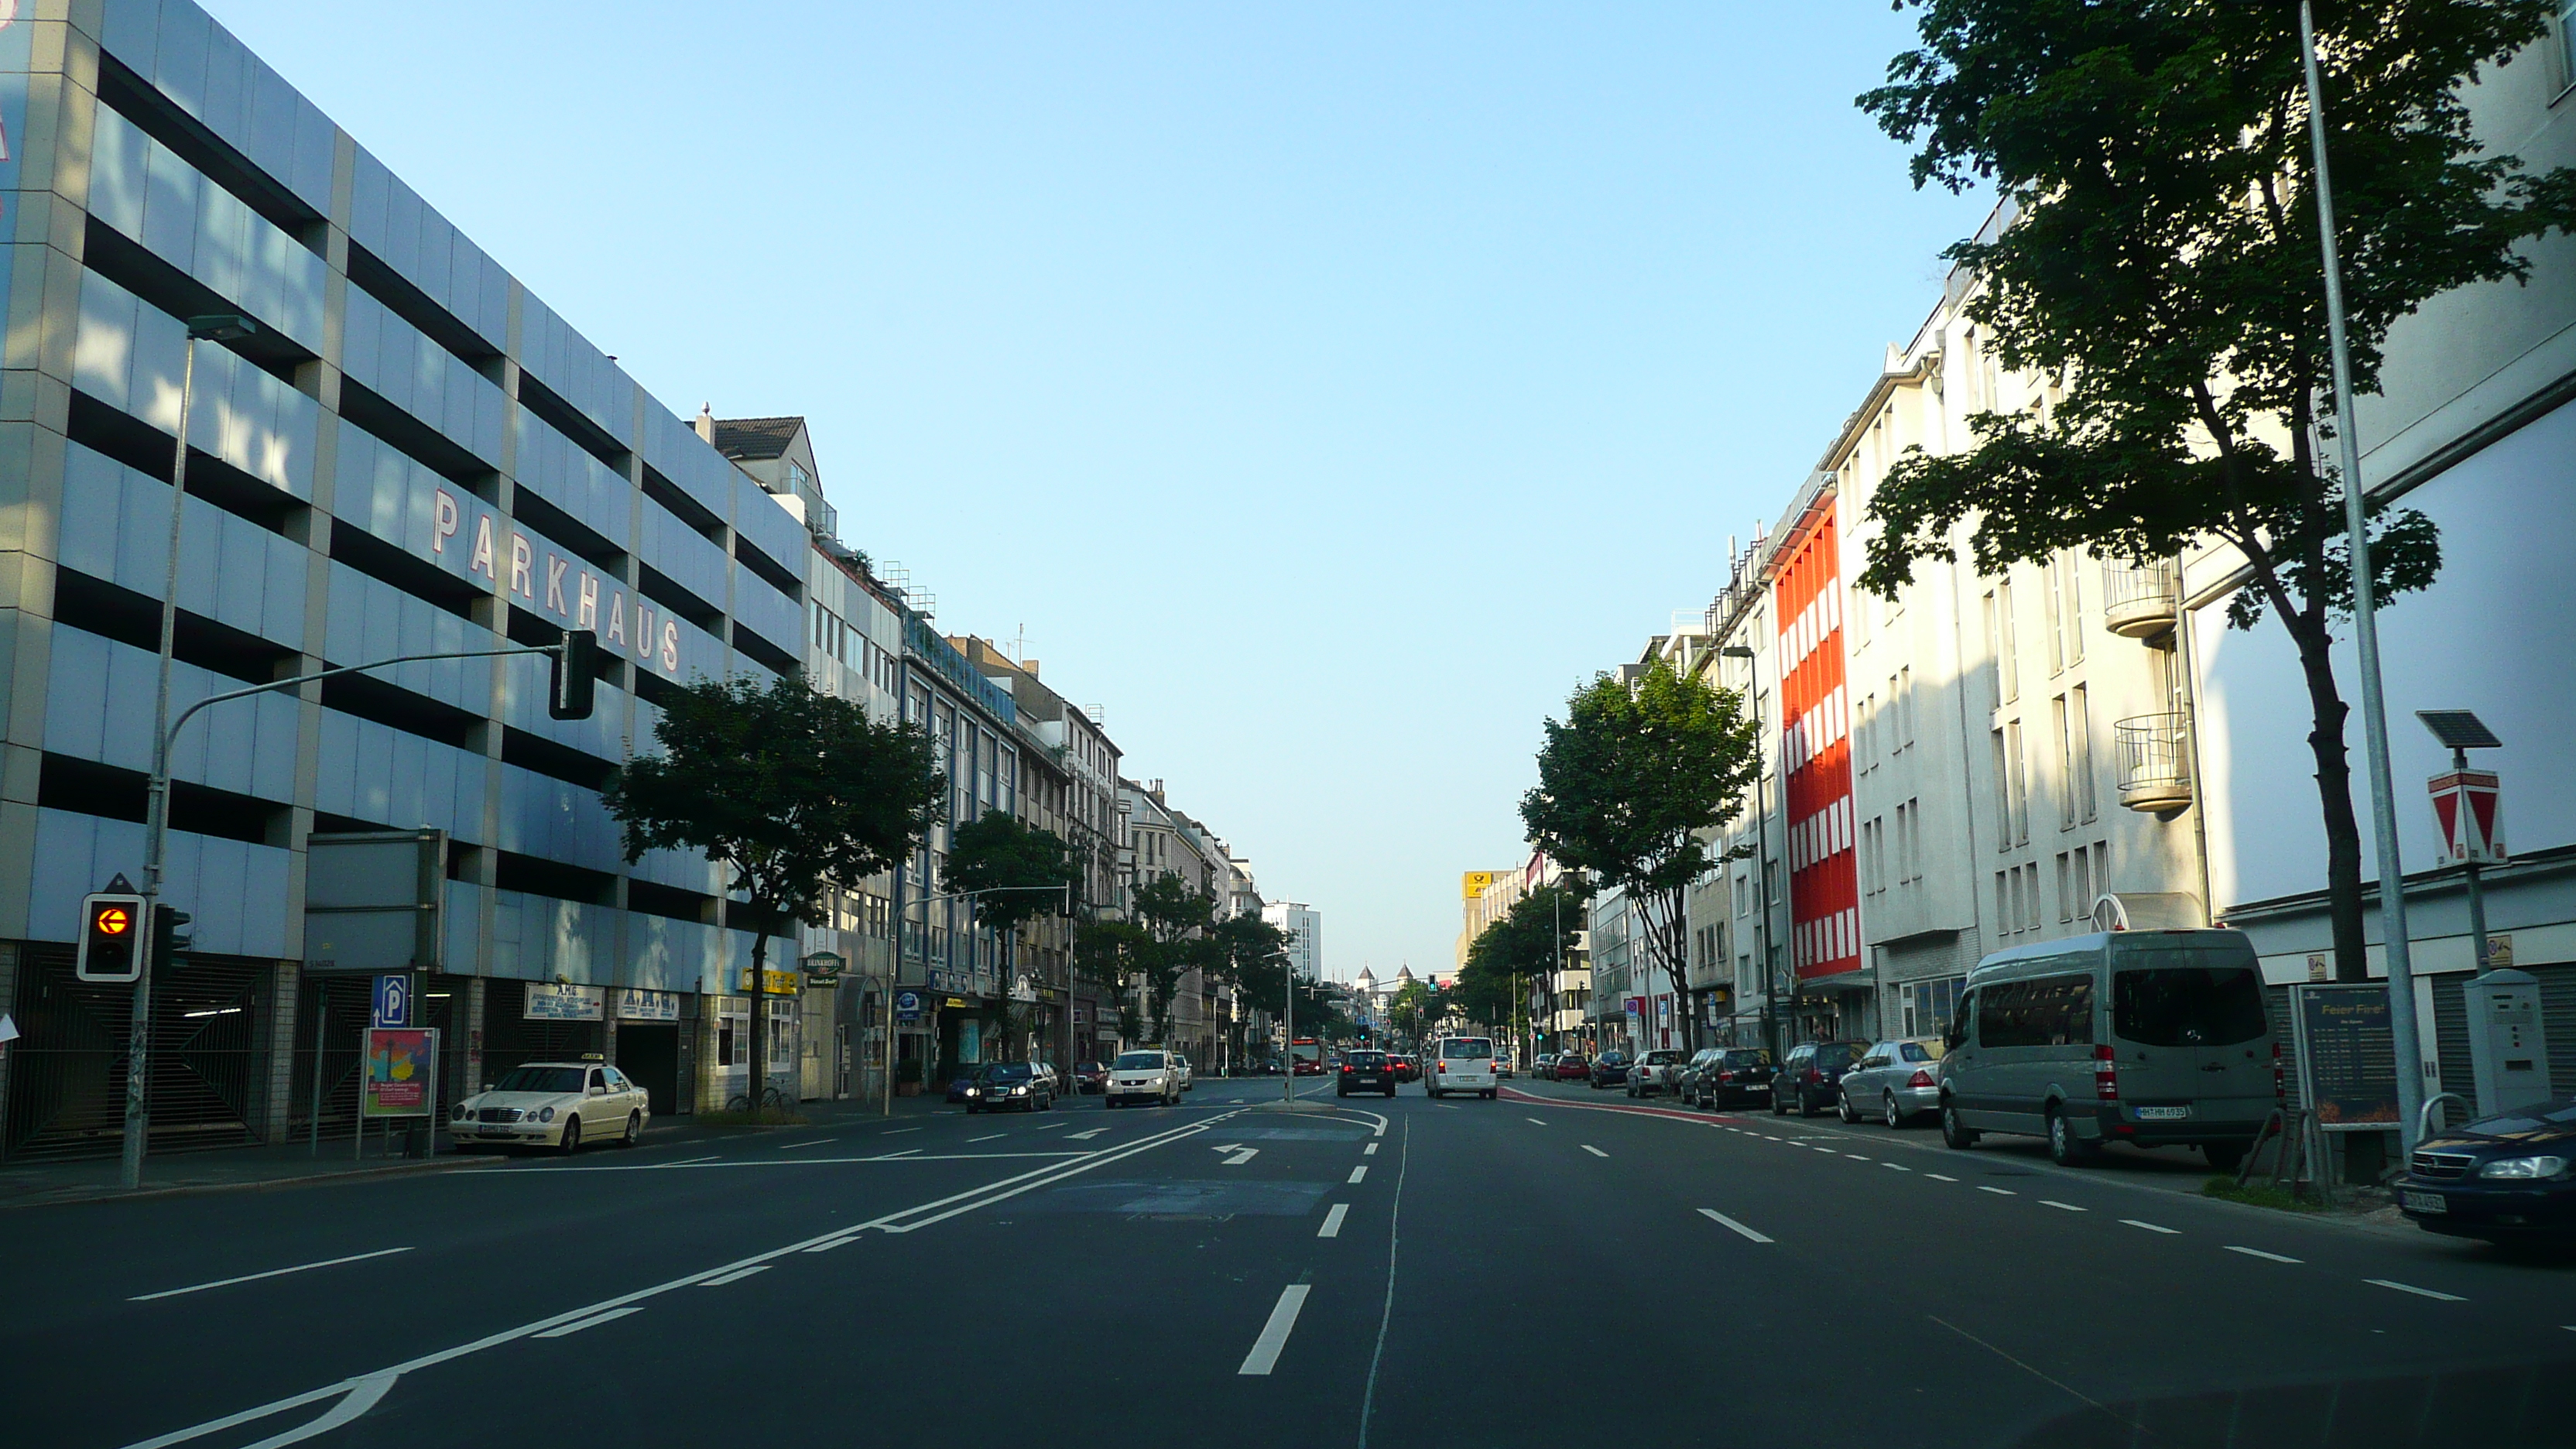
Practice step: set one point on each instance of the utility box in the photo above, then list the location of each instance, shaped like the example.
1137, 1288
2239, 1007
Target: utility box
2508, 1055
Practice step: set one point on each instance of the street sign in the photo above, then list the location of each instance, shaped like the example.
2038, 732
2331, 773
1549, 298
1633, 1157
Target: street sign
907, 1006
2469, 805
392, 1005
401, 1070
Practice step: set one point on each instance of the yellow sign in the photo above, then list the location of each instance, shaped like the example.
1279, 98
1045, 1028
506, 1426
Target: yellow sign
777, 983
1474, 884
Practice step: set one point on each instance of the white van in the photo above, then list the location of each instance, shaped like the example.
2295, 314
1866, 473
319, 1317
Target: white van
2153, 1038
1460, 1064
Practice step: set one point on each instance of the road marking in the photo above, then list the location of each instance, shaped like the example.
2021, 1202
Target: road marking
687, 1161
1997, 1191
1358, 1173
988, 1137
1241, 1156
2064, 1207
1274, 1334
1595, 1151
271, 1273
736, 1276
1722, 1220
2411, 1288
2153, 1228
2259, 1253
1369, 1151
1899, 1166
894, 1131
1825, 1150
1533, 1121
817, 1142
1854, 1156
593, 1321
1086, 1136
1332, 1227
1940, 1177
1042, 1126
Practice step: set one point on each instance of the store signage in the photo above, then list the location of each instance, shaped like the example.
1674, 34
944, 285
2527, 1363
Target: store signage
824, 967
471, 537
2469, 805
561, 1001
907, 1005
401, 1069
773, 983
635, 1003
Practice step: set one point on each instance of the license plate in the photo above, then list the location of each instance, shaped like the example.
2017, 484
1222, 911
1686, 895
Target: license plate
2163, 1114
2424, 1202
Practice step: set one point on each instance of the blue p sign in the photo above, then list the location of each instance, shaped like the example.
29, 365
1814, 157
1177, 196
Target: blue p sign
392, 1002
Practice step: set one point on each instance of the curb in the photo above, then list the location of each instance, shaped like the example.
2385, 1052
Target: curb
271, 1184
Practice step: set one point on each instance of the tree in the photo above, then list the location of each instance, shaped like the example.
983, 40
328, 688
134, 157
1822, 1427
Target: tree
1175, 922
1016, 872
1255, 961
1630, 784
1412, 1008
1523, 944
791, 790
2162, 269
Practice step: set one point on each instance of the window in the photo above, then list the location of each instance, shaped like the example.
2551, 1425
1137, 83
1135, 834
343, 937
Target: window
2003, 922
2187, 1003
2048, 573
2065, 889
2079, 725
2003, 794
2007, 660
2081, 861
2020, 782
2567, 39
2048, 1011
2065, 766
2070, 581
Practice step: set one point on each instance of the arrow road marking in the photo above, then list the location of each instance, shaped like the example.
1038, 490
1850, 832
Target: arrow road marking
1242, 1157
1086, 1136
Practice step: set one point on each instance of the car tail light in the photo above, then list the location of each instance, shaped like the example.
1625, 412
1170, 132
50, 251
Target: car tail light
1439, 1066
1814, 1076
1726, 1076
2280, 1083
1922, 1077
2106, 1074
1346, 1066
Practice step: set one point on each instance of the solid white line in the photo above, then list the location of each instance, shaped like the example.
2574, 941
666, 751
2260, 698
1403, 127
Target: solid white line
271, 1273
895, 1131
736, 1276
1998, 1191
1332, 1227
686, 1161
1386, 1308
2064, 1207
1595, 1151
1369, 1151
2411, 1288
593, 1321
1722, 1220
817, 1142
2151, 1227
2259, 1253
987, 1137
1533, 1121
1358, 1172
1274, 1334
1940, 1177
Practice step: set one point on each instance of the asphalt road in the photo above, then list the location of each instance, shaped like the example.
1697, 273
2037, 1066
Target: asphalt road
1553, 1267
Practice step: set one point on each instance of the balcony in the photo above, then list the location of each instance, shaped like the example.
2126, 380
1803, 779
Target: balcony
2155, 763
2138, 603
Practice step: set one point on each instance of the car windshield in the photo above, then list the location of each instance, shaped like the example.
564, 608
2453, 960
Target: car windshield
540, 1079
1919, 1051
1007, 1072
1833, 1052
1140, 1061
2187, 1004
1469, 1048
1748, 1059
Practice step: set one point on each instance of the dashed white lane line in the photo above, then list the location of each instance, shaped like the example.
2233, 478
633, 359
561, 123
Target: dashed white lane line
1998, 1191
2259, 1253
1369, 1151
1332, 1227
1042, 1126
271, 1273
1940, 1177
2411, 1288
897, 1131
1856, 1157
1595, 1151
1722, 1220
817, 1142
1358, 1173
2152, 1227
736, 1276
1899, 1166
988, 1137
1274, 1334
593, 1321
2064, 1207
1533, 1121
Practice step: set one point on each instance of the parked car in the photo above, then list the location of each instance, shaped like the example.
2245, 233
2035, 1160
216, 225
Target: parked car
1089, 1077
1144, 1076
1702, 1062
1009, 1086
1543, 1066
553, 1104
1732, 1075
1573, 1067
1610, 1069
1894, 1082
1189, 1079
1365, 1071
1408, 1067
2506, 1178
1462, 1064
2155, 1038
1656, 1071
1812, 1076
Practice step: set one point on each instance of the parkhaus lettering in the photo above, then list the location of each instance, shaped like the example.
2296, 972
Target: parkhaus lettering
571, 591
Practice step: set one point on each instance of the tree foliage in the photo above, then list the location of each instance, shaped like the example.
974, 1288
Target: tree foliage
2162, 270
1173, 924
1022, 871
1508, 954
1631, 783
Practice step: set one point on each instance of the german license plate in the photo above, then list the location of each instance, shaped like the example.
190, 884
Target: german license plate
2424, 1202
2163, 1114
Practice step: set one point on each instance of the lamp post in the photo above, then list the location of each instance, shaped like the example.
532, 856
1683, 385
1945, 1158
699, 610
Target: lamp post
1761, 857
213, 327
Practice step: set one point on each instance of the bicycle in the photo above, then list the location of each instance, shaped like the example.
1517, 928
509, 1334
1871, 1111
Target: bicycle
771, 1098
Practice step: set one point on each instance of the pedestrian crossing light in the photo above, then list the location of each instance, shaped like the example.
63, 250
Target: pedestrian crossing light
573, 671
111, 937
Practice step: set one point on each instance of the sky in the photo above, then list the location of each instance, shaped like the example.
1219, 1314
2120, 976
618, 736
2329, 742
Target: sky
1325, 390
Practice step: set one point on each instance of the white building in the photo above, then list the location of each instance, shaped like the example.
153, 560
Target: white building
1304, 926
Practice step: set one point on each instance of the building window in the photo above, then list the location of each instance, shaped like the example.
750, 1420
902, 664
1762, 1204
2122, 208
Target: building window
2079, 724
2020, 782
2065, 765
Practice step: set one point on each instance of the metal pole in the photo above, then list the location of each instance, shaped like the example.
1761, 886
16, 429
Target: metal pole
2365, 615
2477, 888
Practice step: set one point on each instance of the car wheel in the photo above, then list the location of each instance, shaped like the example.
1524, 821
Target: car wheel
2223, 1156
1806, 1104
1955, 1134
571, 1141
634, 1130
1492, 1093
1779, 1108
1842, 1109
1894, 1118
1390, 1092
2064, 1147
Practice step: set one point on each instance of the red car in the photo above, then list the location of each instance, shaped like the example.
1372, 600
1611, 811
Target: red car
1572, 1067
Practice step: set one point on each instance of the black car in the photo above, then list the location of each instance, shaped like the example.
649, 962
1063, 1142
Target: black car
1012, 1084
1365, 1071
1727, 1076
2506, 1178
1812, 1078
1610, 1069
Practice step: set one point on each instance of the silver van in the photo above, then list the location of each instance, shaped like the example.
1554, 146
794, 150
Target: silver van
2155, 1038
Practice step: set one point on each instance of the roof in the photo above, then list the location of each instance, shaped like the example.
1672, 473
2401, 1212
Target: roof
756, 438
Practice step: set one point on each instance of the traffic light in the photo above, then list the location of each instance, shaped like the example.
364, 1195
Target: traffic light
572, 671
170, 934
111, 940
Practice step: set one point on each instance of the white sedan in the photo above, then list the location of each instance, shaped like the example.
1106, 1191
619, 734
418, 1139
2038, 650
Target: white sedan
553, 1104
1144, 1076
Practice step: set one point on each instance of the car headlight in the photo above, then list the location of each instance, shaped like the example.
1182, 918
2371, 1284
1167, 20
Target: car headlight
1019, 1091
2524, 1168
546, 1114
456, 1113
974, 1091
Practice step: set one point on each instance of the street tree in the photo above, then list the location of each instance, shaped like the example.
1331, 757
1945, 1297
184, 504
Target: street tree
1113, 951
1412, 1009
1015, 873
1508, 954
1631, 783
1175, 920
790, 790
2161, 273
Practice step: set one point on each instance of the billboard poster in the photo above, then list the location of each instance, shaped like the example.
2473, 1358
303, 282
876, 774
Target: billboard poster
2348, 1055
562, 1001
401, 1068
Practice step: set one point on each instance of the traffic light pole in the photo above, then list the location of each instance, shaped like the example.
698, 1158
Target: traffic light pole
156, 832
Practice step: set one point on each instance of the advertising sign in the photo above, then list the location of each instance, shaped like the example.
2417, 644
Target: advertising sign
773, 983
2347, 1054
559, 1001
401, 1071
1473, 884
635, 1003
907, 1006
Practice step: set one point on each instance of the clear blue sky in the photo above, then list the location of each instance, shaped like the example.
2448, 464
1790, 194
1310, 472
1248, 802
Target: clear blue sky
1327, 389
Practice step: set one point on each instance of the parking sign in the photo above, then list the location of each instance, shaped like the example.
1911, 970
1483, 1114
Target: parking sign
392, 1002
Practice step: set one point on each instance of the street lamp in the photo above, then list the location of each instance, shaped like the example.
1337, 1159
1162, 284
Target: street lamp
1761, 857
211, 327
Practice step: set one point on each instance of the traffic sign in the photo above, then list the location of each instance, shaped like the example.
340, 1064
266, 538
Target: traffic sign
392, 1007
